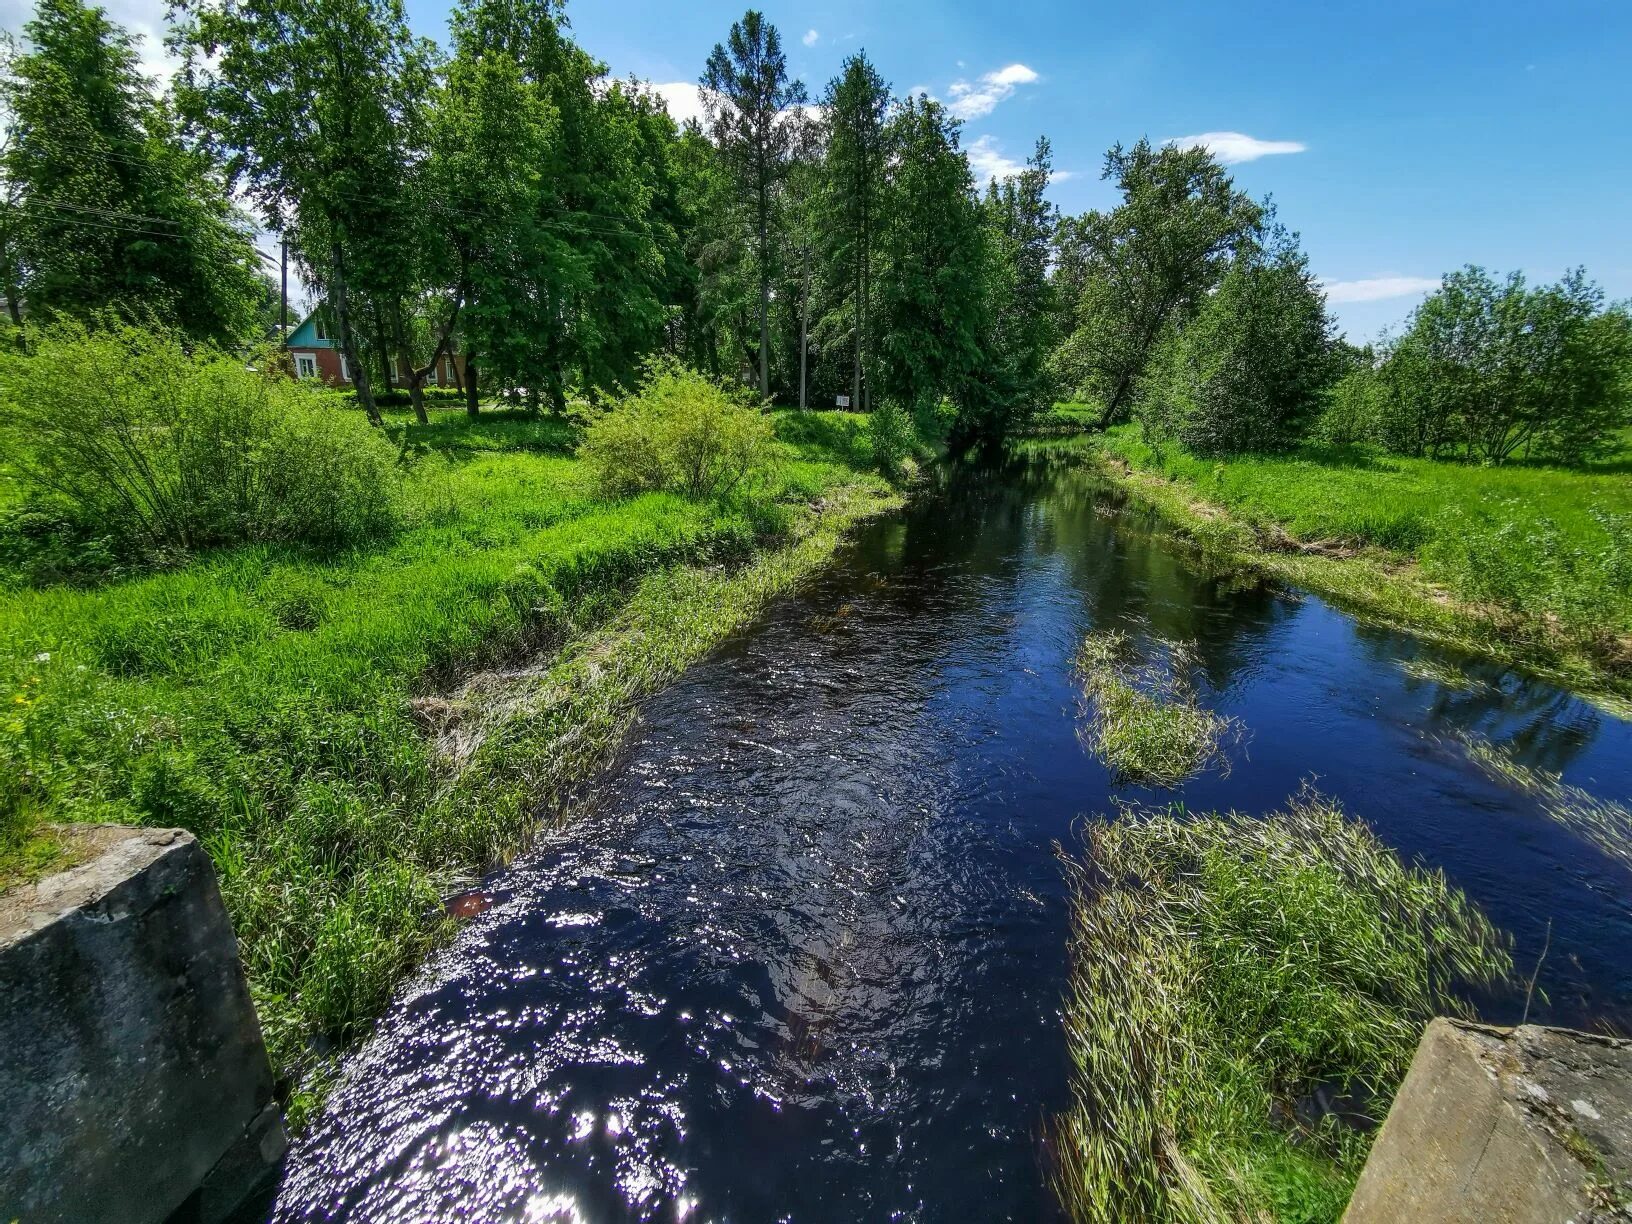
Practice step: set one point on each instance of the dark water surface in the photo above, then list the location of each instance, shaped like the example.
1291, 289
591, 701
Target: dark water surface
803, 958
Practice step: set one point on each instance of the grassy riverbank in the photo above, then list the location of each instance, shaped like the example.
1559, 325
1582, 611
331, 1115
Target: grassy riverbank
1531, 565
292, 708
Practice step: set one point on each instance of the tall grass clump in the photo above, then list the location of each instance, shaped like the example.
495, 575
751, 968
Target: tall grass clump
1603, 822
1145, 723
123, 434
1225, 970
683, 433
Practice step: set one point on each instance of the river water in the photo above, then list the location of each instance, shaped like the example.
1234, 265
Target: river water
801, 957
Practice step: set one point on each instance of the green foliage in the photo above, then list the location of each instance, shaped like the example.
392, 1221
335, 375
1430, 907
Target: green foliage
932, 304
1492, 370
681, 432
1224, 968
128, 436
105, 209
1247, 372
1145, 722
1353, 411
1013, 379
1146, 266
890, 434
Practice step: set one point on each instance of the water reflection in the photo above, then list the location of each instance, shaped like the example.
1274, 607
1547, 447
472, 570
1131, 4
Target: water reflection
803, 955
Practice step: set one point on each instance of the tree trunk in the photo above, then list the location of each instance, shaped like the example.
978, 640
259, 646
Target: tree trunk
416, 376
804, 332
472, 405
764, 292
348, 339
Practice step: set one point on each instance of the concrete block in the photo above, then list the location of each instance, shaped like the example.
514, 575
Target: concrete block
1504, 1126
133, 1078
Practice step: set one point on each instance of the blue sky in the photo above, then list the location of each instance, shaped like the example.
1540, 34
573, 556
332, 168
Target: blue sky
1432, 134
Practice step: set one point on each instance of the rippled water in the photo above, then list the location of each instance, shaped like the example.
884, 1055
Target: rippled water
803, 957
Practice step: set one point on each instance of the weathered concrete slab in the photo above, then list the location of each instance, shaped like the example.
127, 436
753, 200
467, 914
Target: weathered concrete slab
1504, 1126
133, 1078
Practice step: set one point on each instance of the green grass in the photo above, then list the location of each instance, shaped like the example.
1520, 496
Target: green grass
1528, 564
1223, 969
1145, 723
272, 700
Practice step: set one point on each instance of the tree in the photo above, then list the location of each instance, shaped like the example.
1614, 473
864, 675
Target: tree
318, 106
1014, 378
1149, 263
1498, 369
1247, 373
856, 103
748, 94
933, 250
107, 209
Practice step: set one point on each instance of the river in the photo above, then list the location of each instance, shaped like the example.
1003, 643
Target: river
801, 955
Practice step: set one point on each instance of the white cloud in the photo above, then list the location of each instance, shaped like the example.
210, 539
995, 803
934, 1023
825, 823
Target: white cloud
811, 37
144, 18
972, 101
1233, 147
1378, 288
684, 100
990, 162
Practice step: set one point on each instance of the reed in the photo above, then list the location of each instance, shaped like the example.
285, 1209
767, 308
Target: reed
1227, 970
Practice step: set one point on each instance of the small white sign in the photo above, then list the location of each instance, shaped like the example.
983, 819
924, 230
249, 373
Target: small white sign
844, 401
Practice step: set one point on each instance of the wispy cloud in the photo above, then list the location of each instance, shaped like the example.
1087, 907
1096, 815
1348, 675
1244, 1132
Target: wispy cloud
811, 38
1233, 147
1378, 288
988, 161
971, 100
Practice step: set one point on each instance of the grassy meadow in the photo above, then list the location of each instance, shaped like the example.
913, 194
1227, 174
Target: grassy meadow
283, 703
1528, 563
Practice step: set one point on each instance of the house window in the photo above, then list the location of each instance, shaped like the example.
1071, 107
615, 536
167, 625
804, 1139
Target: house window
345, 373
436, 372
322, 332
305, 365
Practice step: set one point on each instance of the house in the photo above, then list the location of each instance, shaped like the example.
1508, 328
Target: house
315, 354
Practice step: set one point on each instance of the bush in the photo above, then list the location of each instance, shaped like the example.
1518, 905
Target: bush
1353, 412
124, 435
890, 432
679, 432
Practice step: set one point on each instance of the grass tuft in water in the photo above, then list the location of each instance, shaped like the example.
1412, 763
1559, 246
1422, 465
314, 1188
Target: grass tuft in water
1225, 970
1603, 822
1145, 722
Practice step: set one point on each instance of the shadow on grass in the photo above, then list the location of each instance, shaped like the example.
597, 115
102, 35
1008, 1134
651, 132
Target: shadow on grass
453, 431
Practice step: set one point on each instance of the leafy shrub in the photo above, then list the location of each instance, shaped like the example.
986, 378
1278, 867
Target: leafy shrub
890, 432
123, 434
1353, 411
679, 432
1224, 968
1246, 374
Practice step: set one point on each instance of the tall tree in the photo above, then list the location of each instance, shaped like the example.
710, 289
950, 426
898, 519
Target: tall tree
1149, 263
748, 94
108, 209
932, 306
317, 105
1014, 378
855, 106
